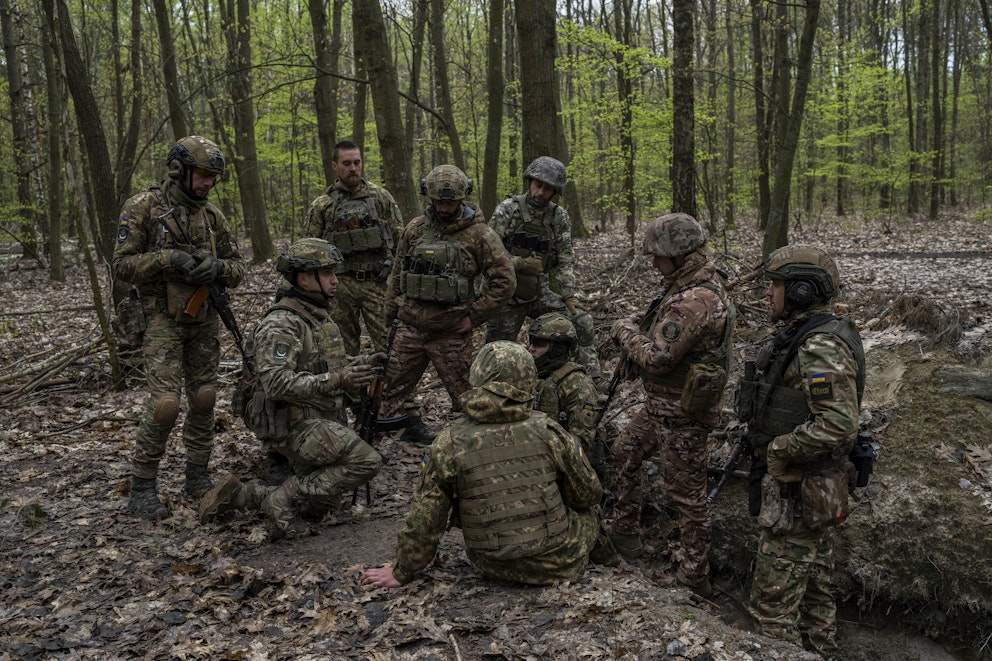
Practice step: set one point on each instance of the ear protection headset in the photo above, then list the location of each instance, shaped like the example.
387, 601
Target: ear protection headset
800, 294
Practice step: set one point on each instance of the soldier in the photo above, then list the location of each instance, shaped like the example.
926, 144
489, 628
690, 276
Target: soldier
538, 235
441, 258
298, 408
517, 484
802, 412
564, 392
180, 345
683, 342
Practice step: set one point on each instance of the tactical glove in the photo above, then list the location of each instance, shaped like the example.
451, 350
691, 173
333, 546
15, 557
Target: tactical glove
618, 326
182, 261
571, 304
529, 266
355, 376
778, 461
205, 272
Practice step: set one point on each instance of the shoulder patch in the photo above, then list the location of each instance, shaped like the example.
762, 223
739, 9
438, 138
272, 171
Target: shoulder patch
671, 331
281, 350
819, 388
123, 231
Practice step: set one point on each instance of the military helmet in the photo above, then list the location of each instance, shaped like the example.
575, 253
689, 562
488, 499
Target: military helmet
549, 170
446, 182
553, 327
799, 262
673, 235
196, 152
505, 368
308, 254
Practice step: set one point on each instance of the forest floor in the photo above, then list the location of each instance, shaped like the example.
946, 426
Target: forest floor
83, 580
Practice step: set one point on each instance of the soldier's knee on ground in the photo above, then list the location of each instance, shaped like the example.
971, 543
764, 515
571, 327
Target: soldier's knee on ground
585, 328
203, 399
165, 410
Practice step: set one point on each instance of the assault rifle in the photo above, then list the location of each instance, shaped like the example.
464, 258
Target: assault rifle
218, 297
369, 423
741, 445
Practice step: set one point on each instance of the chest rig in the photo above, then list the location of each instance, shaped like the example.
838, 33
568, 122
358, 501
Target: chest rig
364, 239
532, 237
435, 270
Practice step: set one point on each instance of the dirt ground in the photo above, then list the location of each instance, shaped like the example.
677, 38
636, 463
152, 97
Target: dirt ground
82, 580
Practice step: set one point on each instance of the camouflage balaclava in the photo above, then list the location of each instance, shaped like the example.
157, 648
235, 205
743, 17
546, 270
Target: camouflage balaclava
506, 369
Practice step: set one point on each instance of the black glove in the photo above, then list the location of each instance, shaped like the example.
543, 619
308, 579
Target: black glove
205, 272
357, 376
182, 261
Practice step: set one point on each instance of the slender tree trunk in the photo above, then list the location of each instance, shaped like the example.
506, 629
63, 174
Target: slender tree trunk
494, 107
511, 75
938, 73
731, 148
326, 46
129, 143
776, 234
361, 110
413, 110
843, 77
761, 117
56, 102
683, 110
163, 20
237, 21
373, 54
625, 93
443, 84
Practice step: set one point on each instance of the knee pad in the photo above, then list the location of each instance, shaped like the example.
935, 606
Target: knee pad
584, 328
203, 399
166, 410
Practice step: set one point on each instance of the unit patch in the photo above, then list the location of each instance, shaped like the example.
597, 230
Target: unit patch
671, 331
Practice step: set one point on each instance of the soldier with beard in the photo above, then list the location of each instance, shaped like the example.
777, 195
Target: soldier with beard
537, 233
681, 351
441, 260
298, 408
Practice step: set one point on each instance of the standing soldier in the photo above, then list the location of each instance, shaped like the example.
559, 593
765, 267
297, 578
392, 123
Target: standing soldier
298, 407
441, 258
172, 244
681, 351
802, 412
538, 235
564, 391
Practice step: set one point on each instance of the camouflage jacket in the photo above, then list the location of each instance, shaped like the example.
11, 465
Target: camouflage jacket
568, 396
489, 416
320, 221
689, 326
482, 256
297, 348
825, 370
144, 247
507, 219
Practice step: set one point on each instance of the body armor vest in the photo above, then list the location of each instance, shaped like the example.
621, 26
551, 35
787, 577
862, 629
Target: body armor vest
532, 238
772, 409
549, 394
509, 502
364, 239
433, 270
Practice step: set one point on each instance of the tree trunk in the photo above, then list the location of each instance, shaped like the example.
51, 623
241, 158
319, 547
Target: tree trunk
443, 84
373, 53
237, 21
622, 33
494, 110
776, 234
56, 102
325, 84
683, 110
761, 121
129, 143
414, 113
731, 149
163, 20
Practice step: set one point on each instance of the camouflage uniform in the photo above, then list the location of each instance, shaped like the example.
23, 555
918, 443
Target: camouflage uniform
519, 485
518, 216
689, 326
180, 351
425, 333
819, 389
362, 287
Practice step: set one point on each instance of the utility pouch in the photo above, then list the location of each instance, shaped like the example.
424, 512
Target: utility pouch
528, 288
703, 388
268, 418
177, 299
244, 391
744, 395
759, 468
776, 509
131, 322
824, 497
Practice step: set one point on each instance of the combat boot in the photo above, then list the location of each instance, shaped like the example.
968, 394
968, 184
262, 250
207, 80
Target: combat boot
627, 544
197, 479
284, 519
143, 501
419, 433
228, 495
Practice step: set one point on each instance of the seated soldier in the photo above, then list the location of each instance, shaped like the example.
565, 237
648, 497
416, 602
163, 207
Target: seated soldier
518, 485
298, 408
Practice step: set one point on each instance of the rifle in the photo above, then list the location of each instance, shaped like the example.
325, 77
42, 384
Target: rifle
741, 445
369, 423
218, 297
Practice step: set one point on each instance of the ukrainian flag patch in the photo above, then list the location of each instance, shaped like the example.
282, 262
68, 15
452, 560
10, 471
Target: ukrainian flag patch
819, 388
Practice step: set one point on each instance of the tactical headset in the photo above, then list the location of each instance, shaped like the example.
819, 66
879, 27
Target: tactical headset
800, 294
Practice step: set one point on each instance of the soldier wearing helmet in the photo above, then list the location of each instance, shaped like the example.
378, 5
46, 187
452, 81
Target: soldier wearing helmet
298, 409
519, 486
172, 244
441, 261
537, 233
564, 392
801, 400
681, 350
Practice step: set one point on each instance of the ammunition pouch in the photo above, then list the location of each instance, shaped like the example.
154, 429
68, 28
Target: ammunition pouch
177, 302
777, 506
433, 273
703, 388
824, 498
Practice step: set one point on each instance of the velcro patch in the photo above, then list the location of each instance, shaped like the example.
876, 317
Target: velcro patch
671, 331
123, 233
820, 389
281, 350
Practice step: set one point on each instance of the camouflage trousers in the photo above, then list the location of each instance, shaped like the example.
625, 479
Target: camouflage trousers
330, 460
505, 325
413, 350
360, 299
790, 594
177, 357
661, 423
